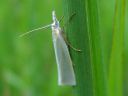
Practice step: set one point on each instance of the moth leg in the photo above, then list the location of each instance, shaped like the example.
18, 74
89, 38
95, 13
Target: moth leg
78, 50
65, 39
67, 22
69, 19
62, 17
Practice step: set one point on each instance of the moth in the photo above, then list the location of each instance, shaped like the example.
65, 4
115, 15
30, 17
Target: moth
66, 75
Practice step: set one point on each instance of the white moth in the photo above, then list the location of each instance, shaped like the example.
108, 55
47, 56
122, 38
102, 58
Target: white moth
66, 74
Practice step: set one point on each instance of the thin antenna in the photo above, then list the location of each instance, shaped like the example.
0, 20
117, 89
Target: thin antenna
35, 30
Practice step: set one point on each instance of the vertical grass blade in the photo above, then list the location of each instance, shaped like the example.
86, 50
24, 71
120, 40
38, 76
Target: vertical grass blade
99, 71
83, 33
125, 83
117, 52
77, 34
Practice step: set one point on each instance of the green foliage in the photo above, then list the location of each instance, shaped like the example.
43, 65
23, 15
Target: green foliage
101, 71
99, 29
77, 34
27, 64
116, 69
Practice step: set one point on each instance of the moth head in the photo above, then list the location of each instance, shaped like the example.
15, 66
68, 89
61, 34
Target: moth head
55, 21
54, 16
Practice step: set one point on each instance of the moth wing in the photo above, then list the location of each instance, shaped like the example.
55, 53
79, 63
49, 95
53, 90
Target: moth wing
66, 74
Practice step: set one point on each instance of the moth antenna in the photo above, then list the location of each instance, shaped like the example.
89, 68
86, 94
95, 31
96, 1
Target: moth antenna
35, 30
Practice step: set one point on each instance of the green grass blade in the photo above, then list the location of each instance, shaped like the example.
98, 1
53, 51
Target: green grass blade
99, 71
117, 57
83, 33
77, 34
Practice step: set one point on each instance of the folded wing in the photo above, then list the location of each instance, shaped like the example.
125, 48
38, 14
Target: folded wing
66, 74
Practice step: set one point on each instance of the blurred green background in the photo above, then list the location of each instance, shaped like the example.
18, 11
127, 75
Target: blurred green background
27, 64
